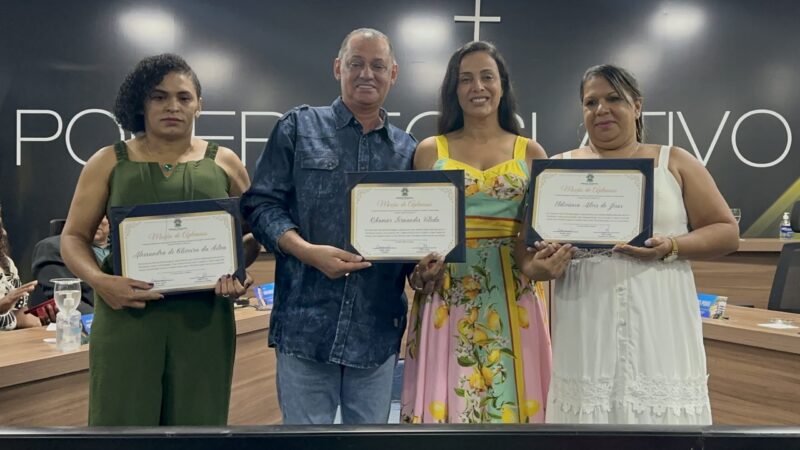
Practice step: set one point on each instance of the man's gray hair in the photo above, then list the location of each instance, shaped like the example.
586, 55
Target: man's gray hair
369, 33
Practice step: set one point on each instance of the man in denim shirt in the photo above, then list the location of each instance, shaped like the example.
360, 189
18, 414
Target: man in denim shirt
337, 320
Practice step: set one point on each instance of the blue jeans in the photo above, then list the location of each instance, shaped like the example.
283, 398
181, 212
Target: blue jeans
310, 391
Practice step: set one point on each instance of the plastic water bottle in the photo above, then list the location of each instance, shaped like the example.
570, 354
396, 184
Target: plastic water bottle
68, 331
786, 227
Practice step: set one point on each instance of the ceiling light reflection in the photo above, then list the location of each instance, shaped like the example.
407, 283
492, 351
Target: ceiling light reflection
152, 30
677, 21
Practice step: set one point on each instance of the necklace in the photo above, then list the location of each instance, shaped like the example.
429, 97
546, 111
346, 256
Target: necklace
166, 166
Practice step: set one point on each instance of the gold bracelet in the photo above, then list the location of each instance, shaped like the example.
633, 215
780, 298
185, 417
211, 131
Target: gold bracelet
672, 255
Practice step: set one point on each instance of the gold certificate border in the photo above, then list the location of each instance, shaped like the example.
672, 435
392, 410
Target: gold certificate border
537, 191
401, 185
127, 223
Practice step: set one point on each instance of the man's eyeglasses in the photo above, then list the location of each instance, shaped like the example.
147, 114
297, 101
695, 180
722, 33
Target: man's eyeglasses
358, 66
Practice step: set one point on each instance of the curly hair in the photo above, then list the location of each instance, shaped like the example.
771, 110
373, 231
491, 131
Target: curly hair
129, 106
451, 116
5, 250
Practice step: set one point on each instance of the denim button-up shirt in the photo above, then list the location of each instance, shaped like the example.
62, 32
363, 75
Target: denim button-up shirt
299, 183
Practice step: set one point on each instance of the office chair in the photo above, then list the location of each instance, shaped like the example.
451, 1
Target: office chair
56, 226
795, 217
785, 293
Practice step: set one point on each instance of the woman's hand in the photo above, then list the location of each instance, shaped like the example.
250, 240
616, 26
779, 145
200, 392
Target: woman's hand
229, 286
547, 261
655, 248
121, 292
428, 274
15, 295
27, 320
49, 315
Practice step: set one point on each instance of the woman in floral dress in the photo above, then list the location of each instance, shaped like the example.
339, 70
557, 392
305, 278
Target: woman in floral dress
478, 347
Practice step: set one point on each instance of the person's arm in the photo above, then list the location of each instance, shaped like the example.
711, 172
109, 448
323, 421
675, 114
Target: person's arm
8, 301
8, 320
266, 206
240, 182
85, 212
425, 154
713, 230
26, 320
9, 317
8, 314
427, 275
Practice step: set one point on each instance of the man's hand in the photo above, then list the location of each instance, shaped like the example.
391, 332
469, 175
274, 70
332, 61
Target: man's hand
333, 262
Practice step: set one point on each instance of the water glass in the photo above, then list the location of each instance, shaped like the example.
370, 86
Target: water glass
737, 214
67, 292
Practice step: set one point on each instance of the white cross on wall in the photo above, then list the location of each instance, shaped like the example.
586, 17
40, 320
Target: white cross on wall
477, 18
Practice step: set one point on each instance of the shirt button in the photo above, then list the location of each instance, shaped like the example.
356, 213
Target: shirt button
622, 322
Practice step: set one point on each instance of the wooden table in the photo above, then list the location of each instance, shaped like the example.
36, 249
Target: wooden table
40, 386
754, 371
745, 276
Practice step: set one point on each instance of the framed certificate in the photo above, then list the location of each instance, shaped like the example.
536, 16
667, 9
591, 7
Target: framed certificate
179, 246
591, 203
402, 216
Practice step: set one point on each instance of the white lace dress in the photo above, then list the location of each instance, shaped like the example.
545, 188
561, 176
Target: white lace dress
627, 335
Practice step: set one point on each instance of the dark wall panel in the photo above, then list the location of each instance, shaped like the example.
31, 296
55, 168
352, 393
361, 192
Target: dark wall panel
705, 67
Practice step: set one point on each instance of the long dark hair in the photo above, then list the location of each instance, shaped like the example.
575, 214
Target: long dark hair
5, 250
623, 82
451, 117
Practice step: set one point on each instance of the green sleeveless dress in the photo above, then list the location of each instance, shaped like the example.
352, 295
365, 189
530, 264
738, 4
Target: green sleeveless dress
170, 363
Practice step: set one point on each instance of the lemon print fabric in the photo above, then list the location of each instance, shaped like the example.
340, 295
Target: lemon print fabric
478, 349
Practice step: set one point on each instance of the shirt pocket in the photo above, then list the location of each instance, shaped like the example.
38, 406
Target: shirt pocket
320, 176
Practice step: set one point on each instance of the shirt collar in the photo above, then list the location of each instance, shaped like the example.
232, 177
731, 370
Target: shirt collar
343, 117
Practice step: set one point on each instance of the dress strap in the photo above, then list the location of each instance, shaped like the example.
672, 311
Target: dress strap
121, 150
520, 148
442, 151
211, 150
663, 156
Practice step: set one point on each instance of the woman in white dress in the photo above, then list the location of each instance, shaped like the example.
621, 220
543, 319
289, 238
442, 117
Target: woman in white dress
627, 336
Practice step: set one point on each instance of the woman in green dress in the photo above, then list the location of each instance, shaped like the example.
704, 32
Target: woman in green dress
156, 360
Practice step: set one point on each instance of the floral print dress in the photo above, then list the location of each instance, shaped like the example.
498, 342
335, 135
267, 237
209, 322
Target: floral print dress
479, 350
